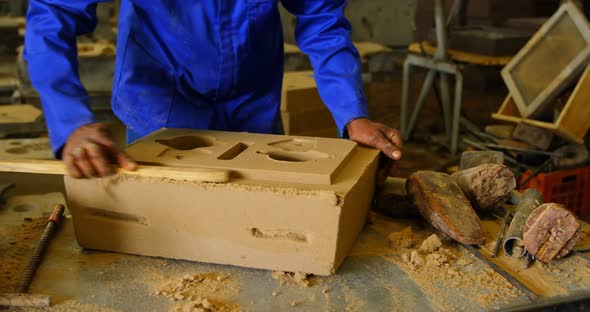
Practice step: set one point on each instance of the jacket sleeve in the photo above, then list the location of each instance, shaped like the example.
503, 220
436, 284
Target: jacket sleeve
323, 33
52, 59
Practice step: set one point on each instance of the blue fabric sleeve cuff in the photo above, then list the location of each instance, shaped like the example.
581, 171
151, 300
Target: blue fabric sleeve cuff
58, 135
344, 117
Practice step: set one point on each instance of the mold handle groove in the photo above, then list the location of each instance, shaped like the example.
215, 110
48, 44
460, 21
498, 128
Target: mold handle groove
279, 235
233, 152
117, 216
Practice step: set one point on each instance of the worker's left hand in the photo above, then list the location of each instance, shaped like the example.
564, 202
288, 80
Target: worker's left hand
379, 136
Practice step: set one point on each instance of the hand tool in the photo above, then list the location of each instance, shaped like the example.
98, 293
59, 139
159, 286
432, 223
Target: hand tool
507, 217
528, 261
22, 299
173, 173
523, 150
525, 204
52, 223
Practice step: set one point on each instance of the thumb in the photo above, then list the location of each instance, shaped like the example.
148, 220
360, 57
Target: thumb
126, 162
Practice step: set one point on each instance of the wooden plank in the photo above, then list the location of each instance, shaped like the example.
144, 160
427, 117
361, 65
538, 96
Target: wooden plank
576, 113
461, 56
59, 168
509, 113
532, 80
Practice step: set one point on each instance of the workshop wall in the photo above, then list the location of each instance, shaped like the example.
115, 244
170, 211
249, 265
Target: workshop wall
386, 22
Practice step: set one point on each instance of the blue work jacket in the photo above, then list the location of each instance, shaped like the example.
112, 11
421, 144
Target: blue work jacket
202, 64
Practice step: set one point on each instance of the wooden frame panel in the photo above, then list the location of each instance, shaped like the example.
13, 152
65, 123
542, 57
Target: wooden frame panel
535, 105
573, 122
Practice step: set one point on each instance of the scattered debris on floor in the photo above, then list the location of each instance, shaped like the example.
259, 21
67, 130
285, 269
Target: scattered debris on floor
17, 243
200, 292
297, 278
439, 266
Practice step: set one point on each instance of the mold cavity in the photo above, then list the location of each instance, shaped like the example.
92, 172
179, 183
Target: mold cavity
23, 208
15, 143
279, 235
297, 156
117, 216
233, 152
17, 150
187, 142
294, 145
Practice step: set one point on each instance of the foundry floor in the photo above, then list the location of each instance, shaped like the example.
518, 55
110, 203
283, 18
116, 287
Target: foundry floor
375, 277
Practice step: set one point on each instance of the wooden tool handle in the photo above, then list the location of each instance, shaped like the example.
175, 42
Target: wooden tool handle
174, 173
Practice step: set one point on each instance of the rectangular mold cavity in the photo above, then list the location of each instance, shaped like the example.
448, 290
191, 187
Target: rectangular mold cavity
233, 152
117, 216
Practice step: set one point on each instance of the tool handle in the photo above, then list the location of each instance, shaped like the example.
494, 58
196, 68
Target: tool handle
57, 213
24, 300
174, 173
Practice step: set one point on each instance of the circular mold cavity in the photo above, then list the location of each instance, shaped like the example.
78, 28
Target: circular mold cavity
188, 142
294, 145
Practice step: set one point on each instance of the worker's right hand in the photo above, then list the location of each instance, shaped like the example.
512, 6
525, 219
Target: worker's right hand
90, 151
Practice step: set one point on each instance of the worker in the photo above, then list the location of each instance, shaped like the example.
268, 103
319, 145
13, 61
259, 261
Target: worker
199, 64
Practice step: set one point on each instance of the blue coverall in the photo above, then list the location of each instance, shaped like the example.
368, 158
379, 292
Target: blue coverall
202, 64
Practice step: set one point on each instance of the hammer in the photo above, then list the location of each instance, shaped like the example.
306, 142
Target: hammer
22, 298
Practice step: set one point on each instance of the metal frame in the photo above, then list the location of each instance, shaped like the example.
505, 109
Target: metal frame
440, 66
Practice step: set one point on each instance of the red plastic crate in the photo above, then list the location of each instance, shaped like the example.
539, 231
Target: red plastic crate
570, 188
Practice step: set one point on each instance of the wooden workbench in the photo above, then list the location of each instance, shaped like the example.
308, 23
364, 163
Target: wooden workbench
375, 277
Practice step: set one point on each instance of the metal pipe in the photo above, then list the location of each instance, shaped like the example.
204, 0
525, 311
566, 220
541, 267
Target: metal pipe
441, 31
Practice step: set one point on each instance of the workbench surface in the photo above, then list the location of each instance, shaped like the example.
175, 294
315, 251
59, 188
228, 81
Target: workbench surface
377, 276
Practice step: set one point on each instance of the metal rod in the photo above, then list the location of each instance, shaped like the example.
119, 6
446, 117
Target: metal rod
528, 260
525, 150
501, 234
25, 282
441, 31
506, 157
527, 291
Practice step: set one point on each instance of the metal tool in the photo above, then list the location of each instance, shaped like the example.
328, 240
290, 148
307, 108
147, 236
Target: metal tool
525, 204
527, 291
507, 158
22, 299
50, 228
507, 217
528, 261
522, 149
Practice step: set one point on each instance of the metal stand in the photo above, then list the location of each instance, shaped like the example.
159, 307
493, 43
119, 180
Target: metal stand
440, 66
